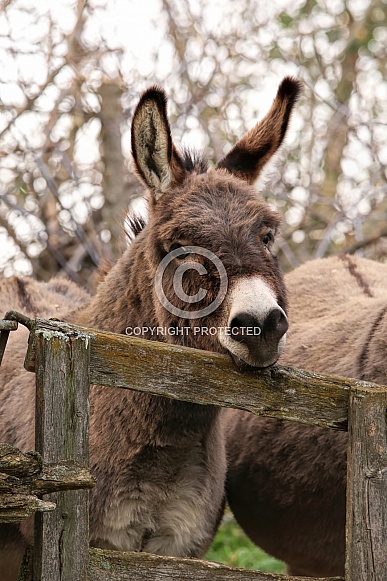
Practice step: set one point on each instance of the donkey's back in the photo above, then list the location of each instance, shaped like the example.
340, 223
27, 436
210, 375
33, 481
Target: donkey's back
40, 299
34, 299
287, 481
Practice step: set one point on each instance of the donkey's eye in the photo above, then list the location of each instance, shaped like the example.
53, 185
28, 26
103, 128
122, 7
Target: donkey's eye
178, 246
268, 238
174, 246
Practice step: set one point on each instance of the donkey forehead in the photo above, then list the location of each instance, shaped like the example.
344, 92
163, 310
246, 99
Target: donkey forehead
215, 199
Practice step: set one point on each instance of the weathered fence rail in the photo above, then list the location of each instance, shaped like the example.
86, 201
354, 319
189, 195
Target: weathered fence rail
209, 378
24, 477
66, 359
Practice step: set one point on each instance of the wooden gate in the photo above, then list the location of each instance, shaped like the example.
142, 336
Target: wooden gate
67, 359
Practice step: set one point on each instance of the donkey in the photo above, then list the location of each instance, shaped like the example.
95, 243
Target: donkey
160, 464
287, 482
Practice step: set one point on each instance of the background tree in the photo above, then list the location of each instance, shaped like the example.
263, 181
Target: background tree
70, 78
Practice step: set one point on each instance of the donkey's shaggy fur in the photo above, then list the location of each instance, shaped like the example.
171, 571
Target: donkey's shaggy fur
160, 463
286, 481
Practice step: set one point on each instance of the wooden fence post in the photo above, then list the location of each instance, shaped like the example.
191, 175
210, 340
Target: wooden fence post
62, 432
366, 556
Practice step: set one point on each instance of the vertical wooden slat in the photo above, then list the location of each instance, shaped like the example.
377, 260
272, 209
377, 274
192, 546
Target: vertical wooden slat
366, 558
62, 432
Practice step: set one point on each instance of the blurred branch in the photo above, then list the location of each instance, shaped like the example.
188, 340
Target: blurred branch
73, 48
53, 251
78, 230
343, 110
11, 232
367, 241
4, 4
288, 252
31, 101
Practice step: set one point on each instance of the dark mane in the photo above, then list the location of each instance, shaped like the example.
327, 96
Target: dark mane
134, 225
194, 161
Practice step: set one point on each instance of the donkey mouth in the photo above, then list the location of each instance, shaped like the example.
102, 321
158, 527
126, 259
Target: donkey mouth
244, 366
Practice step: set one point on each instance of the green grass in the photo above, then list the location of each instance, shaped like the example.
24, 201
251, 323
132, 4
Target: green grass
232, 547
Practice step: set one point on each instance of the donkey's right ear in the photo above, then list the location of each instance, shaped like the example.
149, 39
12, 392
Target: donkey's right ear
249, 156
156, 159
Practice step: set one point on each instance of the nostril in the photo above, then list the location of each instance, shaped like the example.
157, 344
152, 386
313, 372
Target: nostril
244, 326
276, 323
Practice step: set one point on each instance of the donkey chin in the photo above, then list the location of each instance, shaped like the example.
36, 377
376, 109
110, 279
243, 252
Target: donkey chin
255, 335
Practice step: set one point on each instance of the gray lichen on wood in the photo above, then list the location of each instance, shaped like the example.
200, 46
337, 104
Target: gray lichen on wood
62, 432
17, 463
6, 325
118, 566
65, 475
210, 378
23, 477
50, 329
366, 532
17, 507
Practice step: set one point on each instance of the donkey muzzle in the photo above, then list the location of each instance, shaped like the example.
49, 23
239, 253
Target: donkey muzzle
260, 338
257, 325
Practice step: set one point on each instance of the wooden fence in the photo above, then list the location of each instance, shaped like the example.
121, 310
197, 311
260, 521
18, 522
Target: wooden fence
67, 359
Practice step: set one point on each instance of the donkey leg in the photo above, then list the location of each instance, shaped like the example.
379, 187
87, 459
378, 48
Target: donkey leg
12, 548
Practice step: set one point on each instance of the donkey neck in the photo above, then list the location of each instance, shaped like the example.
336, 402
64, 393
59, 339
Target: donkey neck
124, 299
150, 420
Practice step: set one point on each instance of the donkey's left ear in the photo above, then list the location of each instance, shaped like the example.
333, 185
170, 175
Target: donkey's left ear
248, 157
156, 159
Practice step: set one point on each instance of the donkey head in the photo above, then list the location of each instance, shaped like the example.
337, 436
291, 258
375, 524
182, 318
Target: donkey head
215, 282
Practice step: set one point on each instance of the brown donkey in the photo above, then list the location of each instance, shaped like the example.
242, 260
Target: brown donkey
160, 464
286, 481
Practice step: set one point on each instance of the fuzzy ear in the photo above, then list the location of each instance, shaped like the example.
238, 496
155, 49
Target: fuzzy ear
248, 157
155, 157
